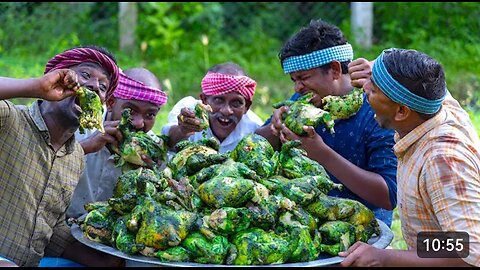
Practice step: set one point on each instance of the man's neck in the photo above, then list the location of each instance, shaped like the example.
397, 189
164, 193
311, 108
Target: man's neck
59, 131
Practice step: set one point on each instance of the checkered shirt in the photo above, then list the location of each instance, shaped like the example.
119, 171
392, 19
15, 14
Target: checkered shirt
36, 186
439, 177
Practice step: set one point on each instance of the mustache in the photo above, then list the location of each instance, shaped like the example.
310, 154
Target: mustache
232, 118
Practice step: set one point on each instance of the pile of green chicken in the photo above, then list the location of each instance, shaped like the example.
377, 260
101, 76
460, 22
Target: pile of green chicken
250, 206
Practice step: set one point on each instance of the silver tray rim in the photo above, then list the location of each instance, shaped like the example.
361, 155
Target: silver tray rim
381, 242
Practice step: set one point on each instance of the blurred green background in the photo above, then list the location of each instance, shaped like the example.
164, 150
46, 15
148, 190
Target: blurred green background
178, 41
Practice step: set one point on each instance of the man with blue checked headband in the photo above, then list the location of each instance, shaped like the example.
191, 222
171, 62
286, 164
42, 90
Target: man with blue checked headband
438, 154
359, 154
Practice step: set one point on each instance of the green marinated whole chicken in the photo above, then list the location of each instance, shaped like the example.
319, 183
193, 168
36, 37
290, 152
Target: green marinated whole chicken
305, 190
229, 168
173, 254
97, 224
201, 112
294, 162
265, 213
204, 250
337, 236
257, 153
297, 217
163, 227
364, 220
228, 220
328, 208
191, 157
180, 195
304, 248
303, 113
257, 247
92, 110
137, 143
343, 107
226, 191
124, 239
130, 185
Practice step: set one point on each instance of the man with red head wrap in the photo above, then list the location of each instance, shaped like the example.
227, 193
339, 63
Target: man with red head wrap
229, 92
40, 160
138, 89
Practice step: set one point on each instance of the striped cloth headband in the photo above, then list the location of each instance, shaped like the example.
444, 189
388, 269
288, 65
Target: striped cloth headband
219, 84
318, 58
131, 89
399, 93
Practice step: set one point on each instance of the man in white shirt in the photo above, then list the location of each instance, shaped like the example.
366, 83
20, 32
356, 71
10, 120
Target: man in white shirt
229, 91
139, 90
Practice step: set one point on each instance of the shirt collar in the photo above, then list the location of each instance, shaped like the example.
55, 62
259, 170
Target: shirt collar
37, 118
403, 144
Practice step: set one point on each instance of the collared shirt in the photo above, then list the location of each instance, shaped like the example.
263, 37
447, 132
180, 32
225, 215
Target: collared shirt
248, 124
36, 186
439, 177
360, 140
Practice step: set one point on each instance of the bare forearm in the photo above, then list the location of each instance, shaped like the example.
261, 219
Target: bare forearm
410, 258
87, 149
175, 133
16, 88
267, 133
354, 177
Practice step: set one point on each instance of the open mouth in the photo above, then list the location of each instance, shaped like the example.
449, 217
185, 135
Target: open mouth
225, 122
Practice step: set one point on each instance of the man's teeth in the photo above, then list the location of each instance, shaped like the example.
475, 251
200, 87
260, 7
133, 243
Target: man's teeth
225, 121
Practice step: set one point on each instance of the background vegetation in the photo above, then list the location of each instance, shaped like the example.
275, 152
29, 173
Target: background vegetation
179, 41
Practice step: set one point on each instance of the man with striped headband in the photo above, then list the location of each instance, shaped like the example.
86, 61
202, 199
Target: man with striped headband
40, 161
229, 92
359, 154
138, 89
438, 166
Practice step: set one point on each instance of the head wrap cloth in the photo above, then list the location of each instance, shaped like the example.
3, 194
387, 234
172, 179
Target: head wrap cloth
77, 56
131, 89
318, 58
399, 93
219, 84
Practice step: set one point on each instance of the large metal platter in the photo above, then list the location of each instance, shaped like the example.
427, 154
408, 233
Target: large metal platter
381, 241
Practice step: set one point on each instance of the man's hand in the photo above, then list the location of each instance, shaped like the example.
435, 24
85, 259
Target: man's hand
360, 71
188, 122
277, 125
98, 140
310, 142
362, 254
58, 84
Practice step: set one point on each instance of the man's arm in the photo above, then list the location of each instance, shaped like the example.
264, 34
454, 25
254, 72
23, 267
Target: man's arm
272, 128
53, 86
362, 254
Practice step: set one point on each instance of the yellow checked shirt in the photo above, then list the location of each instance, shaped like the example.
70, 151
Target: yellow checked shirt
36, 185
438, 178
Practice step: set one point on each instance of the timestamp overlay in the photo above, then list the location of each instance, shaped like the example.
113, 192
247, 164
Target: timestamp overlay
451, 244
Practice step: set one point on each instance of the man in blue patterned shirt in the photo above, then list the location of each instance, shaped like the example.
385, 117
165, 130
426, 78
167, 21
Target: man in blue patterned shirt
359, 154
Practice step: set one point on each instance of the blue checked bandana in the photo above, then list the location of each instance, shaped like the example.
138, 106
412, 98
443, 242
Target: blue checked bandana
399, 93
318, 58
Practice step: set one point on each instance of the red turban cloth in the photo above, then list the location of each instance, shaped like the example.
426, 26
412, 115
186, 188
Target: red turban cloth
129, 88
77, 56
219, 84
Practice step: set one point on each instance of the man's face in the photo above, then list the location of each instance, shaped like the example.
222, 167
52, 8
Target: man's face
227, 110
383, 107
90, 75
143, 113
313, 80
